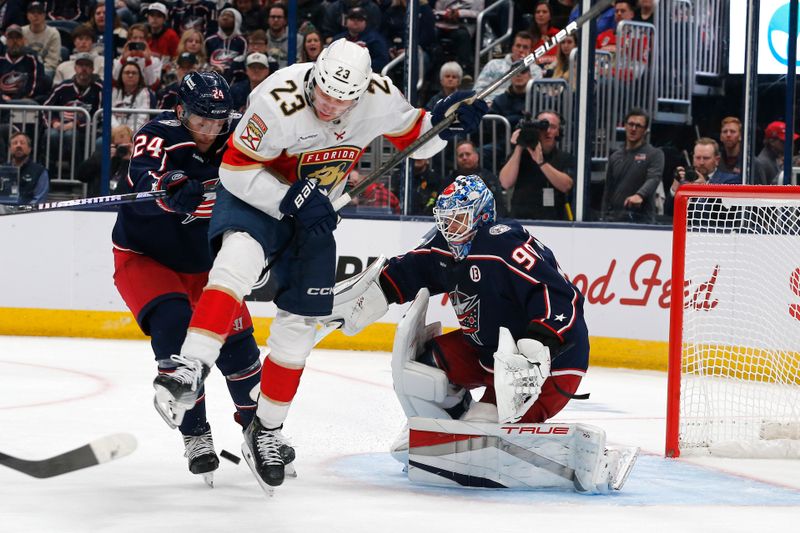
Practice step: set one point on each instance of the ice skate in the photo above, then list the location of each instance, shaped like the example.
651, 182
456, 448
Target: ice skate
176, 392
201, 455
268, 453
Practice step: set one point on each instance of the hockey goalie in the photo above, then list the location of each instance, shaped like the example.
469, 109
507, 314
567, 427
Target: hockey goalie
522, 338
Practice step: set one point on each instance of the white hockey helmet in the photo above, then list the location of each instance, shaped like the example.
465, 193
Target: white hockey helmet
343, 70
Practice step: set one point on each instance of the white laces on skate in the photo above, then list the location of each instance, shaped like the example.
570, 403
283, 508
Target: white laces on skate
269, 443
198, 445
189, 371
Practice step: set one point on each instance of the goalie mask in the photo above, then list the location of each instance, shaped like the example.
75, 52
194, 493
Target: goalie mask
463, 207
337, 80
206, 103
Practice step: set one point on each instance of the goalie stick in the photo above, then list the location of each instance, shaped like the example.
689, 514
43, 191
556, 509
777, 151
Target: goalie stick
571, 28
97, 452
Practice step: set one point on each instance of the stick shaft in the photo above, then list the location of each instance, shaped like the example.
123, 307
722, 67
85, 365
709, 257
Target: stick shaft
86, 203
571, 28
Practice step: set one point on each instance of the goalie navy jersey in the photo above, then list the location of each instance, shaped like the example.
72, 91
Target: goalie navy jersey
508, 279
175, 240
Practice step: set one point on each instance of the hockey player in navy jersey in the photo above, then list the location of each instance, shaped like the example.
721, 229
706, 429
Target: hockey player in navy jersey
497, 276
162, 257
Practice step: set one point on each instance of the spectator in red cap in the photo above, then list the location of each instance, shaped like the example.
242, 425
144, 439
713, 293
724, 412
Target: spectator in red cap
771, 156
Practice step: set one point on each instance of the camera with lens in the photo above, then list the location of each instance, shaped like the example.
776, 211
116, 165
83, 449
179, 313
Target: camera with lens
689, 174
529, 130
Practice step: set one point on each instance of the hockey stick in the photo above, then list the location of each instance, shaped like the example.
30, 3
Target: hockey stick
97, 452
84, 203
571, 28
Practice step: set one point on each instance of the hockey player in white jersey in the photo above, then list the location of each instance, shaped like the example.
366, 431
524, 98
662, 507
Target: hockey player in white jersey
304, 129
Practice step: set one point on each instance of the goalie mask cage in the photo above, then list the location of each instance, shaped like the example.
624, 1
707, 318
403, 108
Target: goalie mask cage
734, 351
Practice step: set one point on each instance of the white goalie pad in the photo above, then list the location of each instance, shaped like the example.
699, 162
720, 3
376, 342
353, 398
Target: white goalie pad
520, 369
518, 456
419, 387
358, 301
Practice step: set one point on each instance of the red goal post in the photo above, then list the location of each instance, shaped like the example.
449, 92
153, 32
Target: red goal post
734, 350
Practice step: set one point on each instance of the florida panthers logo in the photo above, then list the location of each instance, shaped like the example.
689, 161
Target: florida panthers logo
468, 312
13, 83
329, 166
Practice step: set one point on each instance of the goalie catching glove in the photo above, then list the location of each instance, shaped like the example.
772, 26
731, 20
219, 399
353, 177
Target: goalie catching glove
520, 369
358, 301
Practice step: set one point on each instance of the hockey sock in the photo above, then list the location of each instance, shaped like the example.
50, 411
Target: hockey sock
194, 421
210, 324
239, 363
166, 324
278, 387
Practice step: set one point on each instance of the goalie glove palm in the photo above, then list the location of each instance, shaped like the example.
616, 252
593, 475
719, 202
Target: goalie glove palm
520, 369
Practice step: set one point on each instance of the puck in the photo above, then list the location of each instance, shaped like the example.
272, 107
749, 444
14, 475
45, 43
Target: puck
230, 457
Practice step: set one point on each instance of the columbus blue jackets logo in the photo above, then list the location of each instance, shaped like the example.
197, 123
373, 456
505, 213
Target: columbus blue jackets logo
222, 58
13, 83
468, 312
328, 166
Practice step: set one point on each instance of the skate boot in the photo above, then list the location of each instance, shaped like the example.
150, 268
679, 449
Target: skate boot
201, 456
267, 452
176, 391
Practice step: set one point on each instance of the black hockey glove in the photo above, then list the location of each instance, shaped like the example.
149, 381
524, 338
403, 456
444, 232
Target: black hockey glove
312, 209
469, 114
184, 194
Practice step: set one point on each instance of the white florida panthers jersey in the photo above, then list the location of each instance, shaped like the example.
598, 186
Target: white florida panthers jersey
280, 140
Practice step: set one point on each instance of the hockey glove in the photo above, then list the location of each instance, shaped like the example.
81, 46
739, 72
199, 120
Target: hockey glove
310, 207
469, 114
184, 194
519, 372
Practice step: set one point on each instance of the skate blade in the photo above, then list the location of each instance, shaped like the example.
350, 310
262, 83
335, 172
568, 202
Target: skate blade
170, 412
289, 471
627, 459
269, 490
208, 477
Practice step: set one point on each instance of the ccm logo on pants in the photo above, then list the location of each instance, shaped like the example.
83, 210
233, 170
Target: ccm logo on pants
323, 291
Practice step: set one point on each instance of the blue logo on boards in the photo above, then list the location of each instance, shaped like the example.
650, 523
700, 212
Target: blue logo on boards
778, 35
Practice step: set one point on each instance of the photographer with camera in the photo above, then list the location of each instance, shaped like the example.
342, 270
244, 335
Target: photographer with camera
633, 174
137, 50
540, 174
705, 167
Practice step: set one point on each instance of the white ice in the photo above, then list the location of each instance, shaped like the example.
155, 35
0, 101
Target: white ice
57, 394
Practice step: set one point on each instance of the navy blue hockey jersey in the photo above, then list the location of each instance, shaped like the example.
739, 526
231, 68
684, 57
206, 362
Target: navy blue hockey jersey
509, 279
177, 241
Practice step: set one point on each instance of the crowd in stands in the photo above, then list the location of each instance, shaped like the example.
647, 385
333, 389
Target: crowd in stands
52, 54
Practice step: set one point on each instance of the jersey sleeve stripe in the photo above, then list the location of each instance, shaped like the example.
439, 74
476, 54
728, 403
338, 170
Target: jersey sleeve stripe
401, 300
403, 139
568, 372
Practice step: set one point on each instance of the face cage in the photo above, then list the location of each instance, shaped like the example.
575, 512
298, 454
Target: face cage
310, 97
457, 227
207, 125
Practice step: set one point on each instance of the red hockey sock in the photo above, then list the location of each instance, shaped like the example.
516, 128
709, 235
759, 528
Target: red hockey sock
215, 311
279, 383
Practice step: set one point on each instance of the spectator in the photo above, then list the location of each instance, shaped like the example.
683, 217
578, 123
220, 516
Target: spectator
705, 167
646, 12
425, 187
359, 33
21, 73
83, 39
604, 21
257, 69
168, 97
771, 155
394, 28
541, 177
560, 10
456, 22
511, 104
468, 163
137, 49
12, 12
560, 67
450, 76
496, 68
34, 181
310, 14
731, 157
163, 40
542, 30
633, 174
90, 172
607, 40
278, 35
376, 195
257, 42
312, 46
253, 16
68, 129
43, 40
131, 92
67, 14
193, 43
333, 21
227, 48
200, 15
97, 21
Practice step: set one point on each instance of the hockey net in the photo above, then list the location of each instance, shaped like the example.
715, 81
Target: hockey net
734, 363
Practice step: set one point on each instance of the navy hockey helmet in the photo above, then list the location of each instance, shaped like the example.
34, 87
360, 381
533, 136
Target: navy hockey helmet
463, 207
207, 103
